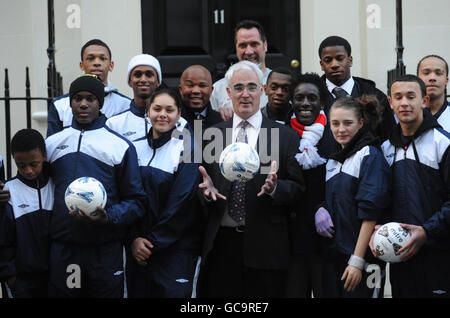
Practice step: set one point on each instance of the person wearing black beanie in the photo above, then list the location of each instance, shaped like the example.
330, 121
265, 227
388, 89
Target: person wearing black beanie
92, 241
89, 83
86, 99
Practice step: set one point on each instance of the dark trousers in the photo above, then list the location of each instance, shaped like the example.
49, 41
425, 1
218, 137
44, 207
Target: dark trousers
427, 274
224, 274
98, 269
305, 276
333, 286
167, 275
30, 285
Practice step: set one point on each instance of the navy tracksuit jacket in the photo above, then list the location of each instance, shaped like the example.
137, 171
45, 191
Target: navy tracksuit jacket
421, 196
24, 235
358, 182
98, 152
170, 224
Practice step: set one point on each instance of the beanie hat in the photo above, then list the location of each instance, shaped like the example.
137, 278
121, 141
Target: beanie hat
88, 83
144, 59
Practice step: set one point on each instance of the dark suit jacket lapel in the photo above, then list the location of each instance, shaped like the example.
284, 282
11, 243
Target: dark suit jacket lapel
266, 126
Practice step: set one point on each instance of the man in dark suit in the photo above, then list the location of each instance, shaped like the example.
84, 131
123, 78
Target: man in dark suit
246, 245
336, 60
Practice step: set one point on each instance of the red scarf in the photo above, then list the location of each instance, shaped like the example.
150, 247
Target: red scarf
301, 128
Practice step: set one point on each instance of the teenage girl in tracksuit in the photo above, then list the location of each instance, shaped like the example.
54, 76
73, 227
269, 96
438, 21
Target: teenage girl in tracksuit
166, 244
357, 192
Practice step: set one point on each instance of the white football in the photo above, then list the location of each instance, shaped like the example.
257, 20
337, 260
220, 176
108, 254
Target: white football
388, 239
239, 162
85, 193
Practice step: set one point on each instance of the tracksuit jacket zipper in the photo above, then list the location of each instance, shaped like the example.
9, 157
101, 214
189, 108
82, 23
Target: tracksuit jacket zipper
39, 195
78, 153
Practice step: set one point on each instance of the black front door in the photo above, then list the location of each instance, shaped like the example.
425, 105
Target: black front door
181, 33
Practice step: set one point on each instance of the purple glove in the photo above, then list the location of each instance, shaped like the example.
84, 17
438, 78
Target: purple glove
324, 224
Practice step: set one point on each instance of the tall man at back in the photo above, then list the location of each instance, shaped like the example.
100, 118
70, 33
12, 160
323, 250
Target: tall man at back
336, 61
251, 45
96, 59
433, 70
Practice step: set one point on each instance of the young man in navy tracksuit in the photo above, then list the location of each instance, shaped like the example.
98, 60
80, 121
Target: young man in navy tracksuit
433, 70
96, 59
418, 154
144, 77
24, 220
85, 251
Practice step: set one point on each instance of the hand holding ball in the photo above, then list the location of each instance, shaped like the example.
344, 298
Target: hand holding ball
85, 193
388, 239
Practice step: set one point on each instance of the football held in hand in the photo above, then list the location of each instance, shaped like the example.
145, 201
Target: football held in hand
85, 193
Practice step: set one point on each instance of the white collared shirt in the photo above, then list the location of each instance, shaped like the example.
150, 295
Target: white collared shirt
252, 129
347, 86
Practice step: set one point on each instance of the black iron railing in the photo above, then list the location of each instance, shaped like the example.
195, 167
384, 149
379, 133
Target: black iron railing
54, 88
400, 68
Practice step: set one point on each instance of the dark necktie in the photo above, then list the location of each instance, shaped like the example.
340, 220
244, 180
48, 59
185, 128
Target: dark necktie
236, 207
339, 92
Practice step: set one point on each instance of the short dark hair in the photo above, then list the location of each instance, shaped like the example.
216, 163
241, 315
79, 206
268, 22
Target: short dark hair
314, 79
410, 78
28, 140
436, 56
335, 40
281, 70
95, 42
250, 24
169, 91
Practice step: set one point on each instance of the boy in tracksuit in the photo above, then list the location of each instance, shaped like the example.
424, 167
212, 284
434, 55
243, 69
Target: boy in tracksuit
87, 251
96, 58
418, 153
24, 220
